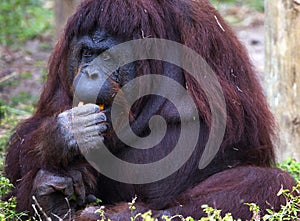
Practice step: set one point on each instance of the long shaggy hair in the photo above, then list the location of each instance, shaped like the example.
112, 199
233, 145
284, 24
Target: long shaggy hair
199, 27
195, 24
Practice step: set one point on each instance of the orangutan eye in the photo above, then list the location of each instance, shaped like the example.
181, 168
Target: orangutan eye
86, 53
105, 56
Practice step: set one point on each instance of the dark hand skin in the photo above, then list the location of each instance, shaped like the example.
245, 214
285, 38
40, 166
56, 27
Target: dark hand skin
71, 133
82, 127
53, 193
56, 195
78, 130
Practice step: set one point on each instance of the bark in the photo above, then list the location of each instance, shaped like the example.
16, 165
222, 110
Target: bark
63, 10
282, 68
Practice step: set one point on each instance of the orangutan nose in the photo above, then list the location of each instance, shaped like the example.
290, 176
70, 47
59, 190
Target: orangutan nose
92, 73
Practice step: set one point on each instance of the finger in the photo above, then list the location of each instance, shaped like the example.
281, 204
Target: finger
85, 109
63, 184
68, 190
79, 188
44, 190
88, 120
103, 128
49, 188
94, 129
89, 133
47, 183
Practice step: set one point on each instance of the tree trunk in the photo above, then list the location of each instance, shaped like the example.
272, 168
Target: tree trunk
282, 68
63, 10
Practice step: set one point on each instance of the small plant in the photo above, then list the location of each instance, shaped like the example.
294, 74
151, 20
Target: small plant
145, 216
255, 210
289, 211
10, 115
8, 208
291, 166
101, 213
132, 206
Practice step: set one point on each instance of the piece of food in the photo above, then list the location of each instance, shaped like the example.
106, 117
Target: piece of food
101, 106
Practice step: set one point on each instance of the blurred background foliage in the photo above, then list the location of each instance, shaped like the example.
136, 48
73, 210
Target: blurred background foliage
23, 19
254, 4
26, 19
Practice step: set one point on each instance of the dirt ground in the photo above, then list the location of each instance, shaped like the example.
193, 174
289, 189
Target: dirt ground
27, 67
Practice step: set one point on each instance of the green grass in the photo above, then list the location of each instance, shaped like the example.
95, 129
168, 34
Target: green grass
18, 108
8, 208
11, 113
